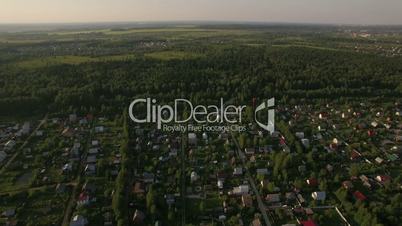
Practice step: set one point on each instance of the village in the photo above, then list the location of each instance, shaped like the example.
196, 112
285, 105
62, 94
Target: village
322, 165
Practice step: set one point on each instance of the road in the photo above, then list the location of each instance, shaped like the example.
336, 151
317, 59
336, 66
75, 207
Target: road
18, 151
261, 204
71, 203
37, 188
183, 180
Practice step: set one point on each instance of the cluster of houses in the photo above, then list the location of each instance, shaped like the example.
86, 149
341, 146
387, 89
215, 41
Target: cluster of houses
359, 135
89, 156
9, 136
210, 168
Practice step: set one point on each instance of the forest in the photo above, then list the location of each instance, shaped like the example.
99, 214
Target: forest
102, 71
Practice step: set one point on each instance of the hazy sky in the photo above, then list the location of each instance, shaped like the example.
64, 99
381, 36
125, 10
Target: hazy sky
315, 11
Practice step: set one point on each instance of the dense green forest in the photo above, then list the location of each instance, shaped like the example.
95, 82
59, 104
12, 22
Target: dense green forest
103, 70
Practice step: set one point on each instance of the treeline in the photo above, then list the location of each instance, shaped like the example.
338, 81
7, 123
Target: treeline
120, 200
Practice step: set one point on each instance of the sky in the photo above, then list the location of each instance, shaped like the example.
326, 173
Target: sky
299, 11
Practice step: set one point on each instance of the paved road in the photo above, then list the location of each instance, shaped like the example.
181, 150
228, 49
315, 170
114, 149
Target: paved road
261, 204
17, 152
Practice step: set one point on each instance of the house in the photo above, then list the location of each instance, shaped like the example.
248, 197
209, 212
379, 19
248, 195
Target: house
8, 213
95, 143
72, 117
78, 220
91, 159
347, 184
76, 146
319, 195
83, 121
83, 199
312, 182
332, 147
68, 167
308, 211
90, 169
9, 145
318, 136
256, 222
205, 136
264, 183
68, 132
238, 171
99, 129
300, 135
329, 168
286, 149
366, 181
148, 177
93, 151
139, 188
323, 115
249, 151
138, 217
247, 200
300, 198
107, 219
156, 147
354, 155
26, 128
379, 160
305, 143
383, 179
272, 198
241, 190
290, 196
170, 199
173, 152
194, 177
116, 161
308, 223
192, 139
263, 171
3, 156
220, 183
364, 178
359, 196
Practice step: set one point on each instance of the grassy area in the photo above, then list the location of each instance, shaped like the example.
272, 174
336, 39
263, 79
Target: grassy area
70, 60
306, 46
173, 55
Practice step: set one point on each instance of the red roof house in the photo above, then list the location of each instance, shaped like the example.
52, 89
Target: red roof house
308, 223
359, 196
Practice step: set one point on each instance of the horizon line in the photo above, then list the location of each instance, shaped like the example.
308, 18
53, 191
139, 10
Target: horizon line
234, 22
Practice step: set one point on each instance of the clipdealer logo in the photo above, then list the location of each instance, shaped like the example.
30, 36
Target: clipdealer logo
146, 110
269, 105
